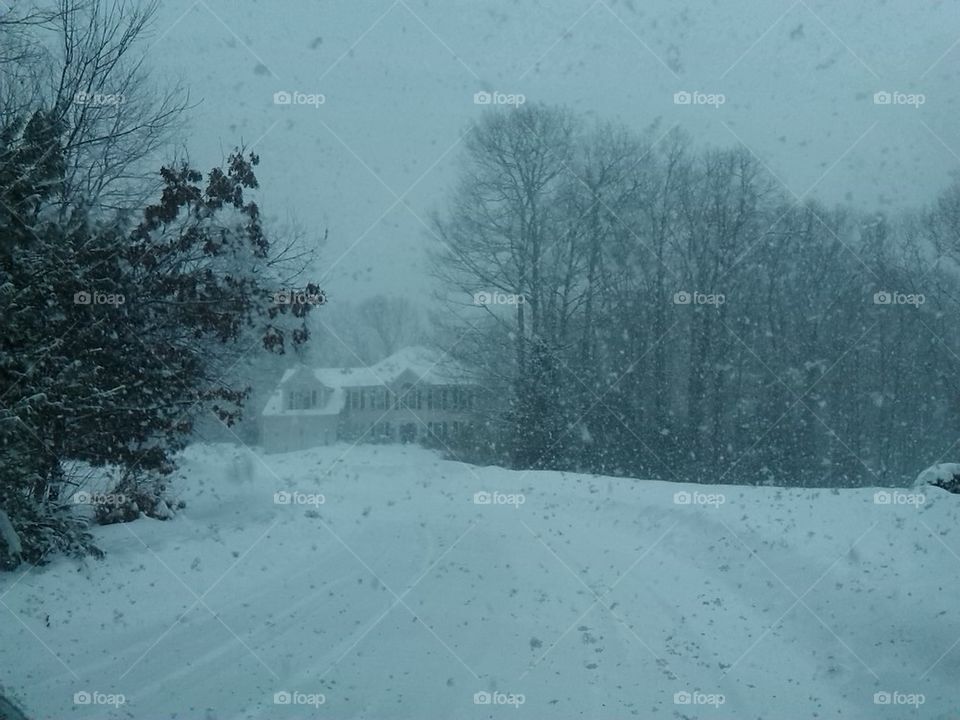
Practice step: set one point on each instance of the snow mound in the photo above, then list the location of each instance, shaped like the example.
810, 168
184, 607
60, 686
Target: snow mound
941, 475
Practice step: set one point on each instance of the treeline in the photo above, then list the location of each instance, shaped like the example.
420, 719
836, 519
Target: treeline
656, 310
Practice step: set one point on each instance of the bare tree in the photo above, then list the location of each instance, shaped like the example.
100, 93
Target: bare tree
502, 231
507, 232
77, 62
395, 322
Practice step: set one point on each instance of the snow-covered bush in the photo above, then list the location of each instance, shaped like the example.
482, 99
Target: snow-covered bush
119, 382
134, 496
10, 546
32, 531
941, 475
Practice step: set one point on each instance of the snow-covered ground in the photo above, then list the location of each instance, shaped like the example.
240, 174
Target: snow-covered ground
382, 589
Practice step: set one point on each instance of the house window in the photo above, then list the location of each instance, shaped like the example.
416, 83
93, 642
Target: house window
430, 399
301, 399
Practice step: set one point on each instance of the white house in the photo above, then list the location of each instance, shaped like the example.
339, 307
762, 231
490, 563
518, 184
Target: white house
413, 395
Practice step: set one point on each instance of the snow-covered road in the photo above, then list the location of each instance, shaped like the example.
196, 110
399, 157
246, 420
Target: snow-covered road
566, 596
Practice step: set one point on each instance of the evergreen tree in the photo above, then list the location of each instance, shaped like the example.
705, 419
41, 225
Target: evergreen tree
537, 418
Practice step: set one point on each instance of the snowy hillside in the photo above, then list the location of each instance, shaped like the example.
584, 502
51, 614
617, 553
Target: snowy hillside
384, 582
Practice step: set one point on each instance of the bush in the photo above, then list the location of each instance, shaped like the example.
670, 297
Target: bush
135, 496
942, 475
32, 532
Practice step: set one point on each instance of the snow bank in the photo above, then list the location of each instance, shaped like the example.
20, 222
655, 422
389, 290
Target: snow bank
385, 582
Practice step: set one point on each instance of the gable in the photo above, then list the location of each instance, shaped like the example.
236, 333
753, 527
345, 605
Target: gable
299, 391
300, 377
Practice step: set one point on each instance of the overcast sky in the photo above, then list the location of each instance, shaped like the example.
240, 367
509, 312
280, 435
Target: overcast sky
398, 79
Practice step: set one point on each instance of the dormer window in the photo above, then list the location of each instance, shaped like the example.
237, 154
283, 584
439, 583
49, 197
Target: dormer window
302, 399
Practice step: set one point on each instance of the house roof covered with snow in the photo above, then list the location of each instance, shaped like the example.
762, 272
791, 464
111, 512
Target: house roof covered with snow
426, 366
333, 406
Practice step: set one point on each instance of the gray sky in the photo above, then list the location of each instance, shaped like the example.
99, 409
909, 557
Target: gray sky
399, 77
